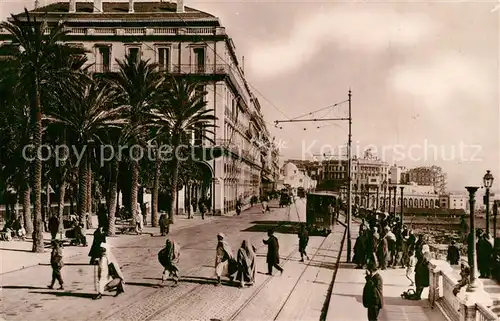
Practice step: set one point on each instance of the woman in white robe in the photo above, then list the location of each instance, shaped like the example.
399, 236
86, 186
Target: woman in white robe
109, 276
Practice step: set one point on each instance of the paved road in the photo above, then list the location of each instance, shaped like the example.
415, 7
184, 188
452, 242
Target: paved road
25, 296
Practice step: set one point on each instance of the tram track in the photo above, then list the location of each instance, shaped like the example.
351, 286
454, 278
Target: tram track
247, 302
179, 293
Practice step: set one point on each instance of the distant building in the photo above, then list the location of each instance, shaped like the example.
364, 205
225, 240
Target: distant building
292, 176
396, 174
426, 175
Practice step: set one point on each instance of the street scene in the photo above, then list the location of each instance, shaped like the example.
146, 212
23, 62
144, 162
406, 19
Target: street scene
205, 160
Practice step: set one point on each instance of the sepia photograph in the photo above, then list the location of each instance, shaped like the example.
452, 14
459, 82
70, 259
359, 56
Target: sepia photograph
249, 160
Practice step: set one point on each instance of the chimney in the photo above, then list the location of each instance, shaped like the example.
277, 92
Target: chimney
130, 6
97, 6
180, 6
72, 6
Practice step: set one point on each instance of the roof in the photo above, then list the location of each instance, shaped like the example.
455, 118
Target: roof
119, 11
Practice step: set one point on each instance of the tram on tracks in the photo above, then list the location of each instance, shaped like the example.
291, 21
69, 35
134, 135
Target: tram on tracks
319, 217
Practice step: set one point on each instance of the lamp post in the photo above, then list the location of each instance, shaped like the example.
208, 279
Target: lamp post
390, 200
488, 182
377, 199
367, 196
395, 198
402, 204
471, 248
495, 213
384, 186
356, 194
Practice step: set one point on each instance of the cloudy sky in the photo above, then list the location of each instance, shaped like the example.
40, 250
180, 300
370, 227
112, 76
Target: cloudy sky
424, 77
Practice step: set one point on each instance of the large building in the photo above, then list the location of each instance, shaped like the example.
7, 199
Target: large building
426, 175
293, 177
184, 42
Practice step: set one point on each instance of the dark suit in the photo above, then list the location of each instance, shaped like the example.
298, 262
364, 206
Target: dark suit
273, 255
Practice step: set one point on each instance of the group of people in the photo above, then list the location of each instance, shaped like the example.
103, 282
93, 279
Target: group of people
384, 242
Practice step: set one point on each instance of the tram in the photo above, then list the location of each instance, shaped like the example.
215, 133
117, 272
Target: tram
318, 217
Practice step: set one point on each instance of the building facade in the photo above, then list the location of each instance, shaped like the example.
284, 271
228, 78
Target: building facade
183, 42
293, 177
427, 175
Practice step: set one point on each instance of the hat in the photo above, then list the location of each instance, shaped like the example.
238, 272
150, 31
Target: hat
221, 235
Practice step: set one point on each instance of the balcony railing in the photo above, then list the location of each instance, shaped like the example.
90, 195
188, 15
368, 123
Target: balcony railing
139, 31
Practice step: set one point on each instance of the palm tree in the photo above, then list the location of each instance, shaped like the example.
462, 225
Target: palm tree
87, 114
37, 48
138, 81
182, 112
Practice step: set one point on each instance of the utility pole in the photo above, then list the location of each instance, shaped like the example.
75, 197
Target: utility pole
349, 183
349, 165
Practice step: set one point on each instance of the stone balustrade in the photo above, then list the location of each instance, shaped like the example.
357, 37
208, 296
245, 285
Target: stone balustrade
466, 306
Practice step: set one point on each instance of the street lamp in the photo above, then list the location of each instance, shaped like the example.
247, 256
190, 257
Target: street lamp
384, 186
390, 200
488, 182
402, 204
395, 198
471, 248
377, 200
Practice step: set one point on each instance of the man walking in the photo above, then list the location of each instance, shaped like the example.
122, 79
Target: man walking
373, 294
53, 226
303, 240
273, 255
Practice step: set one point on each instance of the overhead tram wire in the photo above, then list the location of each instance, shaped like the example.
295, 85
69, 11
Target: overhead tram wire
321, 109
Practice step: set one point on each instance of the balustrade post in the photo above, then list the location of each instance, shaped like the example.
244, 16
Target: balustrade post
468, 311
434, 289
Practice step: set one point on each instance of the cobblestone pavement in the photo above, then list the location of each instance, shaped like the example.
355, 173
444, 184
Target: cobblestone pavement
25, 295
346, 302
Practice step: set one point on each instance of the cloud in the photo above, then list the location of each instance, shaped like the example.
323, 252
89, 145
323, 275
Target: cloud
439, 82
349, 29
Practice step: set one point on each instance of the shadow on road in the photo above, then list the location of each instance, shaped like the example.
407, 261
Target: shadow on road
183, 279
23, 287
282, 227
73, 294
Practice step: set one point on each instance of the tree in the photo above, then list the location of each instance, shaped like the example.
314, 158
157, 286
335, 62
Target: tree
138, 82
182, 111
37, 48
87, 114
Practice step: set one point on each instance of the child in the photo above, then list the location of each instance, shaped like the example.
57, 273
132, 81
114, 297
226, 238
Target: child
410, 268
56, 261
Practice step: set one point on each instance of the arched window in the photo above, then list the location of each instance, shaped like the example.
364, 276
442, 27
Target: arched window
405, 202
421, 203
427, 203
411, 202
399, 201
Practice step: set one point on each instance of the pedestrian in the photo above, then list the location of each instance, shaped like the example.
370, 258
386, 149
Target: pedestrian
95, 249
164, 224
225, 263
246, 264
202, 207
80, 238
360, 249
56, 262
464, 278
169, 259
109, 276
139, 220
421, 274
410, 267
484, 254
53, 226
303, 241
453, 256
102, 217
273, 255
373, 294
238, 207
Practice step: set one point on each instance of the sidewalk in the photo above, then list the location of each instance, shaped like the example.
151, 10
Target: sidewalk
16, 255
348, 290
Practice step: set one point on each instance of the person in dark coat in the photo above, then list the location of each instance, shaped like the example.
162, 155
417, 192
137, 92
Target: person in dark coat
484, 254
164, 226
453, 256
273, 255
303, 240
421, 275
56, 262
373, 293
95, 249
238, 207
383, 252
372, 246
102, 218
53, 226
360, 250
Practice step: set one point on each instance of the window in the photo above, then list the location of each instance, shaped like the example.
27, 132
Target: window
133, 53
164, 59
104, 58
199, 59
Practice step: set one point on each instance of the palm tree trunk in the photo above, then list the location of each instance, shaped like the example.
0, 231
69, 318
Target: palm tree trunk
156, 188
134, 190
28, 223
113, 196
62, 195
82, 193
175, 178
38, 245
89, 197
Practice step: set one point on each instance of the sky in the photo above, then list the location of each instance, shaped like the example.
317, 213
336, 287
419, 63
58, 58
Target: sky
424, 77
